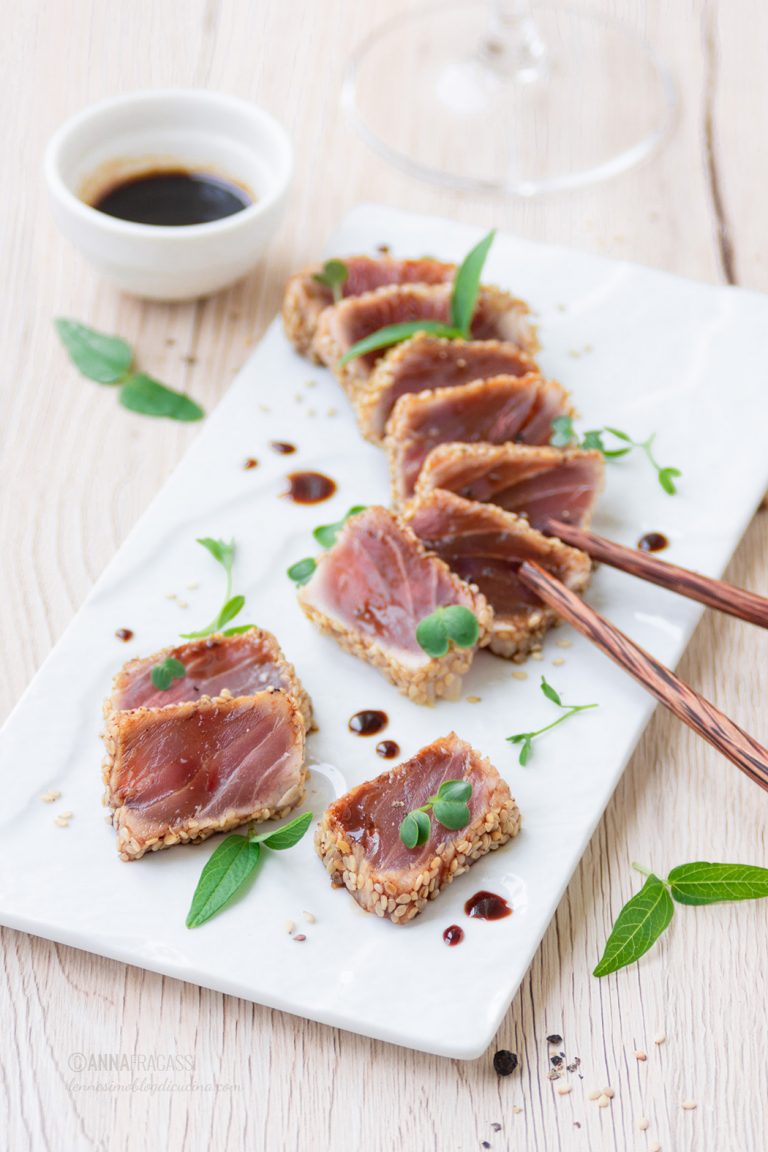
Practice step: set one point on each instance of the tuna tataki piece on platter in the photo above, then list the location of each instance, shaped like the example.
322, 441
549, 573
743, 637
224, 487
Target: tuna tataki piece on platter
306, 296
371, 590
216, 665
493, 411
535, 482
430, 362
497, 316
359, 839
182, 772
486, 546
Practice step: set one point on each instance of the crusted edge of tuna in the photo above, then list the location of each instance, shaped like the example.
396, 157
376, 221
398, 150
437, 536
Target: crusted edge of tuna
376, 892
325, 346
131, 843
395, 441
436, 677
490, 452
299, 312
297, 689
514, 637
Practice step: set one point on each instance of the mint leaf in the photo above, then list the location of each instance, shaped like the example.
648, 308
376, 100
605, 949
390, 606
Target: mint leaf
705, 883
395, 334
225, 873
164, 673
286, 836
106, 359
467, 285
301, 572
140, 393
638, 926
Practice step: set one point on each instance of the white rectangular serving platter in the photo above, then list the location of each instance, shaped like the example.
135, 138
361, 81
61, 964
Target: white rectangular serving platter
638, 349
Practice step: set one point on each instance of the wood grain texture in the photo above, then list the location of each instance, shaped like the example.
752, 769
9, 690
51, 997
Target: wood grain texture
76, 472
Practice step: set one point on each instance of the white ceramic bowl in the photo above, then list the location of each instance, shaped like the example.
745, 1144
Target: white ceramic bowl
191, 128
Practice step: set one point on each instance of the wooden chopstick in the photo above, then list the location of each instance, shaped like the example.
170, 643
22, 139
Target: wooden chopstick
714, 593
682, 701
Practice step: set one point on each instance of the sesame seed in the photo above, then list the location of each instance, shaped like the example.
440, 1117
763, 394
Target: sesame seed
688, 1105
170, 595
518, 675
473, 699
194, 584
640, 1055
564, 643
332, 412
643, 1124
564, 1089
609, 1092
289, 926
264, 408
558, 661
309, 917
660, 1037
594, 1096
655, 1147
310, 383
603, 1101
516, 1109
537, 655
182, 604
50, 797
61, 822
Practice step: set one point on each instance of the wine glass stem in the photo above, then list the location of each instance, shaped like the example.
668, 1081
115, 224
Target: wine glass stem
513, 45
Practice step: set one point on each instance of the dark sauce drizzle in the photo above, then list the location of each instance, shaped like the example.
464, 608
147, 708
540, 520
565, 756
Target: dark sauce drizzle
309, 487
124, 634
387, 749
653, 542
282, 447
251, 462
368, 723
453, 935
487, 906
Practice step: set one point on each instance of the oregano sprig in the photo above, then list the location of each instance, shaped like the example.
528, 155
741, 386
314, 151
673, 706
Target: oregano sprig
466, 285
449, 806
334, 275
648, 914
454, 624
564, 436
527, 738
109, 360
223, 552
233, 862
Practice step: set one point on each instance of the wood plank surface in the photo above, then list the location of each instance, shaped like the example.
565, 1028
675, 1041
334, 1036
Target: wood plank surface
76, 472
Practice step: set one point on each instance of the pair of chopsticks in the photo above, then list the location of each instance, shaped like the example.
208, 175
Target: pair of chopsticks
690, 707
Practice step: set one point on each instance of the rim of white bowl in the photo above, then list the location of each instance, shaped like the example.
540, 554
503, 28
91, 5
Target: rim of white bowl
177, 232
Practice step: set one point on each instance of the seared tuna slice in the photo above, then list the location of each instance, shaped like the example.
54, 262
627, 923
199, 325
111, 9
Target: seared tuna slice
371, 590
486, 546
431, 362
533, 482
215, 665
181, 773
305, 298
498, 316
495, 411
358, 838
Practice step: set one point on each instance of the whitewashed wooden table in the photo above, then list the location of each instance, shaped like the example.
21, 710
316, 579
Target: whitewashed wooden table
76, 472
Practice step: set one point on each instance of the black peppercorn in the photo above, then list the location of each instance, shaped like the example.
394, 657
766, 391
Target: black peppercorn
554, 1039
504, 1062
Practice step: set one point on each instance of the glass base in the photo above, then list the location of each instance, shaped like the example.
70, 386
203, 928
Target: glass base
549, 102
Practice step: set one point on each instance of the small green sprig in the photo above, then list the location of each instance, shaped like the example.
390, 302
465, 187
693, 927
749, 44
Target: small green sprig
466, 286
334, 275
165, 672
326, 534
302, 571
564, 436
449, 806
223, 553
445, 626
527, 738
233, 862
647, 915
109, 360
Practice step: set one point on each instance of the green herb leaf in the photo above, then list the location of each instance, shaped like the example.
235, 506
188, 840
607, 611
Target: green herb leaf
415, 829
396, 334
238, 629
638, 926
525, 751
620, 435
666, 479
140, 393
705, 883
326, 534
286, 836
106, 359
455, 624
459, 790
467, 285
562, 432
225, 873
550, 692
164, 673
222, 552
334, 275
231, 609
301, 572
451, 813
